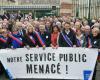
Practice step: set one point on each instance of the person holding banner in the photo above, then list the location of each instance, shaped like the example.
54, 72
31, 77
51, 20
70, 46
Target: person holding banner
4, 43
44, 38
21, 28
79, 37
67, 37
30, 37
55, 37
16, 40
87, 41
96, 38
4, 39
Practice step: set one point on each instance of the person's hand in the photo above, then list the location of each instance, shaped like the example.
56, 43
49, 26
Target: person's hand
37, 46
27, 47
44, 47
13, 48
74, 46
90, 47
7, 48
9, 35
57, 46
52, 46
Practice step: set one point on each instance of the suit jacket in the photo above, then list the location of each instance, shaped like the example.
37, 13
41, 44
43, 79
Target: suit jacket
46, 37
28, 39
85, 41
16, 44
72, 37
96, 42
6, 16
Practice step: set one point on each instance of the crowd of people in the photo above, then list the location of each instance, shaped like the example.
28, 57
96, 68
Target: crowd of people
51, 31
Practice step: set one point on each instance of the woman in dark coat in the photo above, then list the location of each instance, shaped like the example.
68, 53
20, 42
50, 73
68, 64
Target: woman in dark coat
30, 37
96, 38
15, 39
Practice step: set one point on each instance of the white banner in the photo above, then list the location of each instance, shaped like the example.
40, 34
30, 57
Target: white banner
61, 63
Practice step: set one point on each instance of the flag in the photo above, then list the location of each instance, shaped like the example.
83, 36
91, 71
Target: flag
87, 74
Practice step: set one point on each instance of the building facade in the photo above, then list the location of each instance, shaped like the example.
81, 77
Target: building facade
66, 7
77, 8
39, 8
81, 8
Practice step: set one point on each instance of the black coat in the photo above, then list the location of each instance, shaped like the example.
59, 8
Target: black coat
6, 44
6, 16
22, 32
96, 42
15, 44
72, 37
28, 41
19, 16
46, 38
85, 41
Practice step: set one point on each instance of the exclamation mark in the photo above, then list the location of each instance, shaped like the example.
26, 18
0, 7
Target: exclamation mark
66, 69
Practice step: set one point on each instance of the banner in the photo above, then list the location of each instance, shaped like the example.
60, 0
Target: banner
61, 63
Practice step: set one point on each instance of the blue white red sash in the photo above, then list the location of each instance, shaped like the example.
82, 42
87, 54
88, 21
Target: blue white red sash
89, 43
68, 41
40, 38
32, 39
14, 38
78, 43
3, 40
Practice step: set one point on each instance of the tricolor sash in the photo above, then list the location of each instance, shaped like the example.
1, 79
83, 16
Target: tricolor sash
68, 41
14, 38
3, 40
89, 43
78, 43
40, 38
32, 39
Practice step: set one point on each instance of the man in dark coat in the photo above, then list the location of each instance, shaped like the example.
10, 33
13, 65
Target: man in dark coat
19, 16
4, 39
67, 37
44, 38
6, 16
